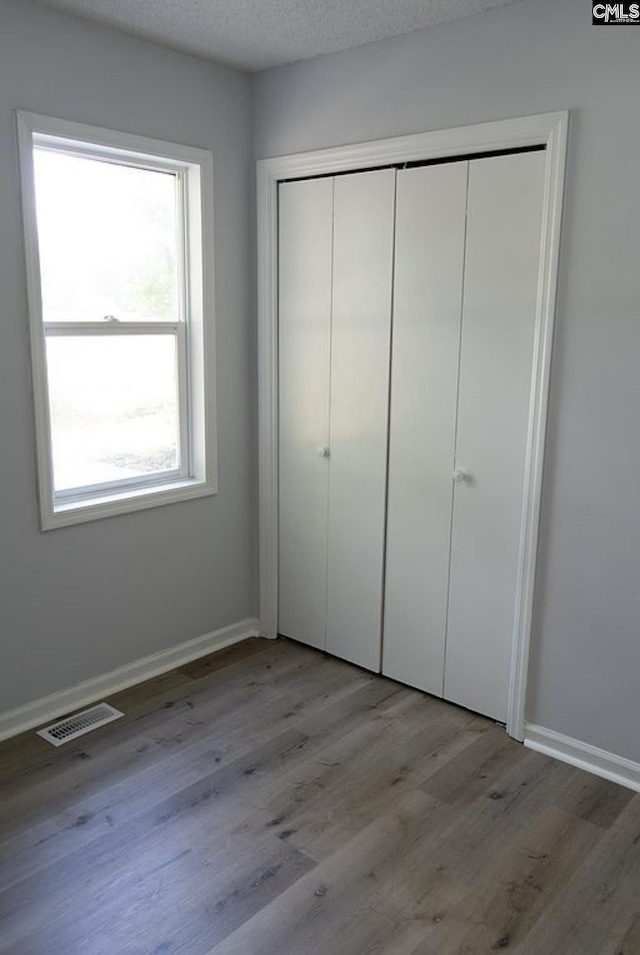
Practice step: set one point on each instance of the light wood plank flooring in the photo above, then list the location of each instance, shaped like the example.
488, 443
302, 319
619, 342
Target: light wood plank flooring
271, 800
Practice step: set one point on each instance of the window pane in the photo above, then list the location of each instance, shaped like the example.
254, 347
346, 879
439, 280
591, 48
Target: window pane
114, 408
108, 243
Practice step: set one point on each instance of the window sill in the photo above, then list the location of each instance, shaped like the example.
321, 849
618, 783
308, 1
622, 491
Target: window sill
124, 502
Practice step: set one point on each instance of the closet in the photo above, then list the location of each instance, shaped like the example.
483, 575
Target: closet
407, 307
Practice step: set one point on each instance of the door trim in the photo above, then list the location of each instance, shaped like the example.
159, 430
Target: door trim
547, 129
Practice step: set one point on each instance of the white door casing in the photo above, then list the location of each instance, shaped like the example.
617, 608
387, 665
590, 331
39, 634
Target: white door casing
549, 130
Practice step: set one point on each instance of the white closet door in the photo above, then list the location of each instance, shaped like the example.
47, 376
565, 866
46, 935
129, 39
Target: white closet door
500, 292
430, 235
362, 270
305, 248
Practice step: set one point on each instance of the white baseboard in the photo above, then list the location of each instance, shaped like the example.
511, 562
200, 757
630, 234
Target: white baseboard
598, 761
59, 704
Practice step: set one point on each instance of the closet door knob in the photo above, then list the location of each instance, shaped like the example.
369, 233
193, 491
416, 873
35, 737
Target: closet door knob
323, 451
461, 476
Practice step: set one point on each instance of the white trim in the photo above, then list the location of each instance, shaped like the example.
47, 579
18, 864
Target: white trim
57, 329
197, 475
72, 134
125, 502
267, 213
483, 137
51, 707
549, 130
537, 425
600, 762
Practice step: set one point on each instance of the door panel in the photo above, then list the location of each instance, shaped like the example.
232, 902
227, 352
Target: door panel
499, 308
305, 248
430, 235
361, 324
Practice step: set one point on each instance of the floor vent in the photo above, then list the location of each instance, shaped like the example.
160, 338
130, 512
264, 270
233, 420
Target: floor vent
80, 723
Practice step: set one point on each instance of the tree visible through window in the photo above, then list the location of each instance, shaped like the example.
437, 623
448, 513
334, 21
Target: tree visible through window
109, 250
119, 288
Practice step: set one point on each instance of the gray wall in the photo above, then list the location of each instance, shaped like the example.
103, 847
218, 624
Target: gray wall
78, 601
535, 56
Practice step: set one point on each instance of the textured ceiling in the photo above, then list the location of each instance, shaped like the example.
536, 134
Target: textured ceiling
256, 34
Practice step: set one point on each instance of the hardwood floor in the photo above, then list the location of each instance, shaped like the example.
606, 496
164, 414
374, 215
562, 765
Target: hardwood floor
271, 800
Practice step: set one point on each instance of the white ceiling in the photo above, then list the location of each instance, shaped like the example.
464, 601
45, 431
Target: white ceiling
255, 34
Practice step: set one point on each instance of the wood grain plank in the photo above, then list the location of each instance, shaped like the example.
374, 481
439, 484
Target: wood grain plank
320, 904
205, 808
256, 698
221, 659
278, 800
208, 902
585, 918
517, 887
630, 944
476, 769
593, 799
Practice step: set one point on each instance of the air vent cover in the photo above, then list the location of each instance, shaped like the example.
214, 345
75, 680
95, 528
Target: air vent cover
73, 726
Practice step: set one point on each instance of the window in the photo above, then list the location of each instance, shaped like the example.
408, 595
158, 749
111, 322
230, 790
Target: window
117, 232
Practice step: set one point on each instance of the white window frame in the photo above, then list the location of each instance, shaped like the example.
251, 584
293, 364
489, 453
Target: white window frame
194, 327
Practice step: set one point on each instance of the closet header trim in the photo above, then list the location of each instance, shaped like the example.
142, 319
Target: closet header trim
415, 164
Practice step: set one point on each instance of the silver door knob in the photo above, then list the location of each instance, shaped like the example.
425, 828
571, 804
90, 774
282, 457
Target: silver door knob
461, 476
323, 451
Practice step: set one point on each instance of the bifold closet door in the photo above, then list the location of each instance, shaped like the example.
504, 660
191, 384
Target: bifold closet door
430, 237
502, 262
335, 274
305, 250
360, 342
465, 246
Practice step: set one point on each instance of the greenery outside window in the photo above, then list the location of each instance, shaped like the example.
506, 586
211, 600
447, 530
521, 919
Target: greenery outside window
117, 231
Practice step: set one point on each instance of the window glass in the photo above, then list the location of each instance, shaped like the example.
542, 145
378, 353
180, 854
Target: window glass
114, 407
108, 240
